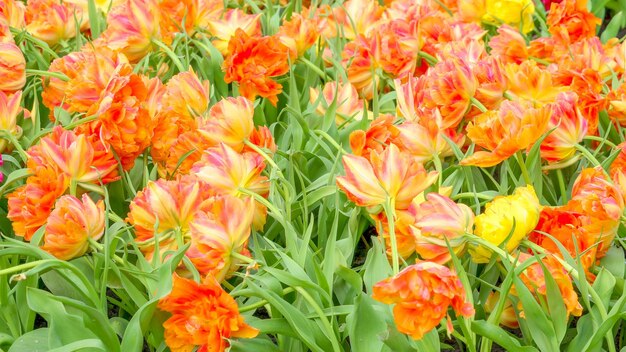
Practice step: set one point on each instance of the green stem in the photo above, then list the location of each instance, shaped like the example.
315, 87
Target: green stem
329, 329
24, 266
242, 258
263, 302
439, 168
389, 212
314, 68
587, 155
171, 55
18, 147
331, 141
59, 75
559, 176
431, 60
471, 195
522, 165
98, 247
478, 104
82, 121
600, 139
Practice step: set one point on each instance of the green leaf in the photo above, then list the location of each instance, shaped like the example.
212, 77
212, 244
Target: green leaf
32, 341
540, 327
613, 261
613, 27
500, 336
366, 325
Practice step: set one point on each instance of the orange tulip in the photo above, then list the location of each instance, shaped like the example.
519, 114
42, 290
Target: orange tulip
568, 228
492, 83
252, 62
425, 139
202, 315
229, 122
360, 64
123, 120
422, 294
12, 68
618, 169
162, 212
30, 204
88, 71
516, 126
10, 109
509, 45
262, 138
13, 12
348, 105
223, 229
595, 196
617, 107
186, 95
355, 17
226, 172
568, 127
377, 137
440, 222
81, 158
131, 28
53, 20
534, 278
573, 18
528, 81
224, 29
71, 224
391, 174
298, 34
450, 85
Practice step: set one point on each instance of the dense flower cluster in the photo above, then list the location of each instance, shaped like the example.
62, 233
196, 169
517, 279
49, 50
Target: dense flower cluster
195, 129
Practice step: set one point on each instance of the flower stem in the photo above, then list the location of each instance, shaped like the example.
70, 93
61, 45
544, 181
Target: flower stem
522, 165
24, 266
389, 212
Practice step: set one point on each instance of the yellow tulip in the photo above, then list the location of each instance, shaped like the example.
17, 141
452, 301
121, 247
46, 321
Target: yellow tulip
513, 12
512, 217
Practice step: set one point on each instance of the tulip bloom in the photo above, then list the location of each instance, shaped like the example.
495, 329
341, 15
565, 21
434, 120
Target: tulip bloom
224, 28
568, 126
390, 175
514, 12
422, 294
53, 20
222, 228
508, 218
9, 111
298, 34
229, 122
123, 120
81, 158
202, 315
439, 222
163, 210
381, 132
534, 278
253, 61
516, 126
131, 28
573, 18
425, 139
71, 224
226, 172
12, 68
348, 105
31, 204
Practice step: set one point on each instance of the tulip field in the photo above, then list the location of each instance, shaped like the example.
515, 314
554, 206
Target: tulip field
324, 175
